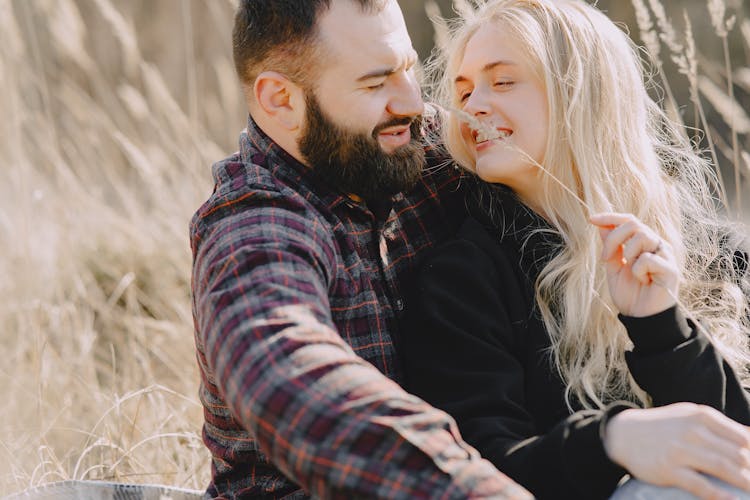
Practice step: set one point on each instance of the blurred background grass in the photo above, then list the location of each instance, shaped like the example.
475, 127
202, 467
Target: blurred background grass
112, 113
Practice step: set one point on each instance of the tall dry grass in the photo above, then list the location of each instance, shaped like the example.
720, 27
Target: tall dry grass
719, 122
112, 112
105, 146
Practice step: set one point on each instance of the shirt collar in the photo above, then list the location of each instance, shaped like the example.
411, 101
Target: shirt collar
257, 148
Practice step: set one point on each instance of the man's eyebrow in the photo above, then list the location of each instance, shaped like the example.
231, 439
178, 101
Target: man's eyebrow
378, 73
487, 67
384, 72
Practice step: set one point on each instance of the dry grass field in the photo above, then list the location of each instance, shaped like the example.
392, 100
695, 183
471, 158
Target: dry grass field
112, 112
111, 117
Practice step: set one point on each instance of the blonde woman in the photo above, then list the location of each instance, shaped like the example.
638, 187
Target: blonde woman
559, 327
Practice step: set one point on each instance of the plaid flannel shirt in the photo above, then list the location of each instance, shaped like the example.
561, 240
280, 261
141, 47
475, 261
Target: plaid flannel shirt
297, 291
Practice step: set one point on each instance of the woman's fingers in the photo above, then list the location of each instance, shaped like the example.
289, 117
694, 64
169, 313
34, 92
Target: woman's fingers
610, 218
639, 243
624, 237
718, 446
612, 245
737, 454
636, 258
648, 268
721, 467
676, 445
718, 423
698, 485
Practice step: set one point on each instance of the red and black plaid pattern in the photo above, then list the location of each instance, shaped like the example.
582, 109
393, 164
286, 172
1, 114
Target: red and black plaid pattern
297, 292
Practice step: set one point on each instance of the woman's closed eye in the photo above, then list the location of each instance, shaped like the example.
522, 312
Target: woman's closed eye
463, 97
500, 85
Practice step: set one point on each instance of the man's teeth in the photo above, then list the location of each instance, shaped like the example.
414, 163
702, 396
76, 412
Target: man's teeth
491, 134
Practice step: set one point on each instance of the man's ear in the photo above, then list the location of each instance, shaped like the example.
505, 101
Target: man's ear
280, 98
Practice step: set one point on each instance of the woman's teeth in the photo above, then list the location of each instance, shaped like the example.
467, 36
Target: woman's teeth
490, 135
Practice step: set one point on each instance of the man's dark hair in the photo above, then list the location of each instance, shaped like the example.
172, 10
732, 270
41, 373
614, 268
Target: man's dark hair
280, 35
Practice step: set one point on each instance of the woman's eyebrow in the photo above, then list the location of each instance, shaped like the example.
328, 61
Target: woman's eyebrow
487, 67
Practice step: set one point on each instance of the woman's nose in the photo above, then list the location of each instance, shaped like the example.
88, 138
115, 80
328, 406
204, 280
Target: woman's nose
477, 103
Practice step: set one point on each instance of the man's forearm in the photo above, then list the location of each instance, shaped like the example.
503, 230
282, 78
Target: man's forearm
338, 427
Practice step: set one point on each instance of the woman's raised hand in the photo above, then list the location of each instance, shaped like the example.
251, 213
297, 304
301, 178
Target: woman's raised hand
672, 445
641, 268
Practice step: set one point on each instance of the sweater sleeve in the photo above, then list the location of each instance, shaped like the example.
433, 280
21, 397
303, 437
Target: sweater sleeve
673, 360
459, 356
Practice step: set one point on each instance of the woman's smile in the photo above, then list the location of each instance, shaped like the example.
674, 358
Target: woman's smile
497, 86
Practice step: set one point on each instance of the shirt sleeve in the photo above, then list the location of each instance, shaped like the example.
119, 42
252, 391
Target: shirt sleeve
326, 418
673, 360
459, 356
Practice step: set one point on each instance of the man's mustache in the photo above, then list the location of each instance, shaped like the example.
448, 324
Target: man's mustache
395, 123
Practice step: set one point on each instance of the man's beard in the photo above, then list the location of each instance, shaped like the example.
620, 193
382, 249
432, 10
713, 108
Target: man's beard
354, 162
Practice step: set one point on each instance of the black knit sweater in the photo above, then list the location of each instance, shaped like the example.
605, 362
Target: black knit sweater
475, 345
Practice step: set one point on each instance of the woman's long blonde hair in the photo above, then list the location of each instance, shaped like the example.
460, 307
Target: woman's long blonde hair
613, 146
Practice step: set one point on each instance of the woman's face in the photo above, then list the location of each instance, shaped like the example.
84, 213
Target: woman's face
495, 83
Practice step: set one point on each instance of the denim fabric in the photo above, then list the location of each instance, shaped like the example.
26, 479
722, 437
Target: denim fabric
100, 490
634, 489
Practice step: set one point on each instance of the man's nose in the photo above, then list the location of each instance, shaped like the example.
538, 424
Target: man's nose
407, 98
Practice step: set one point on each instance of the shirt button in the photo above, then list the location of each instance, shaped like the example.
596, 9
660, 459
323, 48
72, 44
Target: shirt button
399, 305
383, 251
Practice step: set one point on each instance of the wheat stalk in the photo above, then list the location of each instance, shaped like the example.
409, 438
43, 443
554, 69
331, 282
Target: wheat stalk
722, 27
481, 127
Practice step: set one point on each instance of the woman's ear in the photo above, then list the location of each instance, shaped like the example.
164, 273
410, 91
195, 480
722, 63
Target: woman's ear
280, 99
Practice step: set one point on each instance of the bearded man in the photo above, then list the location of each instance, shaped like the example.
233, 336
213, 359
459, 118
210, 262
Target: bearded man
300, 256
